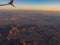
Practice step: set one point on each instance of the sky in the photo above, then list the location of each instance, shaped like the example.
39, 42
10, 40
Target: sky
49, 5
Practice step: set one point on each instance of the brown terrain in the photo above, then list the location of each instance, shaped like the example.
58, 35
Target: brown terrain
29, 28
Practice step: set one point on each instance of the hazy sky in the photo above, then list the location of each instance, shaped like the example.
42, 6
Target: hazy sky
53, 5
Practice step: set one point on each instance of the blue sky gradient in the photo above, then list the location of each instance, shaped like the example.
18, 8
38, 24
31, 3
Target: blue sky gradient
34, 3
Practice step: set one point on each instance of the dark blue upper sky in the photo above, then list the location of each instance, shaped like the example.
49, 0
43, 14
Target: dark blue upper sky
32, 1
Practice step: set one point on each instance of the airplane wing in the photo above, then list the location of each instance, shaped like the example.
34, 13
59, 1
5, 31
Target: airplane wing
10, 3
3, 4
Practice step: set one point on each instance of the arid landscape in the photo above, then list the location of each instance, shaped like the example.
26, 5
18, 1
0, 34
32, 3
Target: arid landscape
29, 28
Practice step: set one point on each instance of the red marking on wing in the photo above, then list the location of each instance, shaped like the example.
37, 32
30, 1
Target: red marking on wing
11, 1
